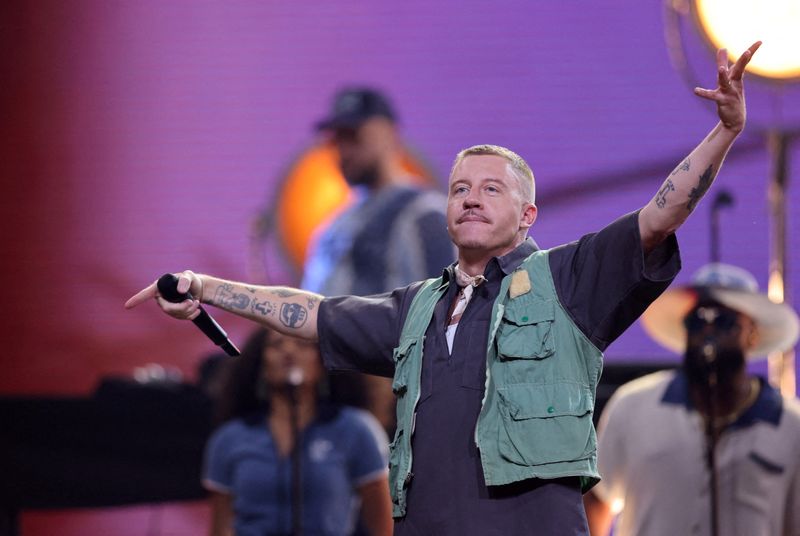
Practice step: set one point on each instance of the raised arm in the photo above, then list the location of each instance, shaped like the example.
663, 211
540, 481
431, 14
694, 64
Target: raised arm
686, 185
288, 310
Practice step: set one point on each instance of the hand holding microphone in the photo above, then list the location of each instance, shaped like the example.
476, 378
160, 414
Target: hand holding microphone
167, 288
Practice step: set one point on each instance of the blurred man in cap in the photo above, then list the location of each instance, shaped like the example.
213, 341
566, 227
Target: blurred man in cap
394, 232
657, 432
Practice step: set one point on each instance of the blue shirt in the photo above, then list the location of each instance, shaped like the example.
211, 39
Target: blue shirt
338, 455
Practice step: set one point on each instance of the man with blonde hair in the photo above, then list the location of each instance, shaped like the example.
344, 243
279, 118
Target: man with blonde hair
495, 363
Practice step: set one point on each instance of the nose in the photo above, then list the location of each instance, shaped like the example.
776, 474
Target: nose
472, 200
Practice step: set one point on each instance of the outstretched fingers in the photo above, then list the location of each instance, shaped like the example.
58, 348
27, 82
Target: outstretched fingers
737, 71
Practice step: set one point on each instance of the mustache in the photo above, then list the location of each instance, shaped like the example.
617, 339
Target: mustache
472, 215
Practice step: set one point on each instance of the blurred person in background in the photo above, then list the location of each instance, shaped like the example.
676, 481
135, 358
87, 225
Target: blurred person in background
655, 432
395, 230
248, 467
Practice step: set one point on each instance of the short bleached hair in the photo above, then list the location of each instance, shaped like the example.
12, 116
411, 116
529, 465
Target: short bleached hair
521, 168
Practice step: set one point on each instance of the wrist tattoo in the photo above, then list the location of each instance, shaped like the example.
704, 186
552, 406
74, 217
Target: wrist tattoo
293, 315
226, 296
661, 196
702, 187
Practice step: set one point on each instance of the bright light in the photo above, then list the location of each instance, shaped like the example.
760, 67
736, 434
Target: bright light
737, 24
775, 287
617, 505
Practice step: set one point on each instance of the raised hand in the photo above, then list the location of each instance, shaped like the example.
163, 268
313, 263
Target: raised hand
729, 95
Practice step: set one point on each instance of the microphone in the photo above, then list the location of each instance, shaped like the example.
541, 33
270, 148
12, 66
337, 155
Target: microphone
168, 288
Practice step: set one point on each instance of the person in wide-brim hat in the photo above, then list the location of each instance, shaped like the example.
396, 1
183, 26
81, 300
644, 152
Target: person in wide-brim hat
777, 324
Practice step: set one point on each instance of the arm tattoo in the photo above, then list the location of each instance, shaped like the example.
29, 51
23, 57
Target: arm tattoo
684, 166
661, 196
285, 292
225, 296
265, 308
699, 191
251, 290
312, 302
293, 315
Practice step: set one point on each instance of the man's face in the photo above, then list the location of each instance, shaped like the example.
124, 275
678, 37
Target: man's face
362, 149
730, 333
486, 212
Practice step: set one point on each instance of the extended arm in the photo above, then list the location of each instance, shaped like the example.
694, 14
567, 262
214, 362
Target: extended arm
376, 507
290, 311
221, 514
686, 185
598, 514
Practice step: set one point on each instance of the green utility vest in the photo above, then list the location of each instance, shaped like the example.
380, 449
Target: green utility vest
541, 377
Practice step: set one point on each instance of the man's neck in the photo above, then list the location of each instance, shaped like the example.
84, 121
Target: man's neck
473, 261
391, 173
730, 399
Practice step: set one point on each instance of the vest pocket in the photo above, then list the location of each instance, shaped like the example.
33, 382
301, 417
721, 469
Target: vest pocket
402, 365
395, 483
546, 423
527, 329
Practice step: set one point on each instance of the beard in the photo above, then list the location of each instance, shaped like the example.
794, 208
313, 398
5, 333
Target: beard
367, 176
729, 362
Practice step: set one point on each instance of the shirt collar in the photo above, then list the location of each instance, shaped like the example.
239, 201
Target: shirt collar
768, 407
507, 263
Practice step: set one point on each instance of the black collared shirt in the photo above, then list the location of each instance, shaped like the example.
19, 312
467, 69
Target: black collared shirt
604, 283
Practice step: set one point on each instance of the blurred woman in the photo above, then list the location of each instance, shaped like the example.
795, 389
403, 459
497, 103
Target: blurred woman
248, 458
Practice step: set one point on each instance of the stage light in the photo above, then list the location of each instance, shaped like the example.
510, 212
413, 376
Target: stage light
736, 24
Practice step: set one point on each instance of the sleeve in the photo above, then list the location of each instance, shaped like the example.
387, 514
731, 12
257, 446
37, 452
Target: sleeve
369, 450
605, 281
611, 454
359, 333
218, 463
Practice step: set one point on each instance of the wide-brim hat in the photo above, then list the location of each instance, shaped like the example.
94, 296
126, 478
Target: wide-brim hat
777, 323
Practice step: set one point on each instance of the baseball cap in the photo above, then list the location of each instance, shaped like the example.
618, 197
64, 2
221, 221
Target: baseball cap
354, 105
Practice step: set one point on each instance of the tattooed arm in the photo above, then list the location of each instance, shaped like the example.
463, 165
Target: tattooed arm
290, 311
686, 185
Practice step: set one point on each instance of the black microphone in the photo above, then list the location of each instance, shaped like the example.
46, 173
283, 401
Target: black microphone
168, 288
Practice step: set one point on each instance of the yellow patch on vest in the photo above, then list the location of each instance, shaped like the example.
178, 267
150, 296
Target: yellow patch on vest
520, 283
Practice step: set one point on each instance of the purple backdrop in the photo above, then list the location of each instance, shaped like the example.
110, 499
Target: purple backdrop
142, 137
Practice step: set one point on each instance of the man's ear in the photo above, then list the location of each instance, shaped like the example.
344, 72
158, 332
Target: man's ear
528, 216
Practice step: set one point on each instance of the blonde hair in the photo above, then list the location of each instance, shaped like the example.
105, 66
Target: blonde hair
521, 168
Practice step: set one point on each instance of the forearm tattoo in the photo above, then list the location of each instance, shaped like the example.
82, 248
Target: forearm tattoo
293, 315
684, 166
661, 196
265, 308
700, 190
226, 296
285, 292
